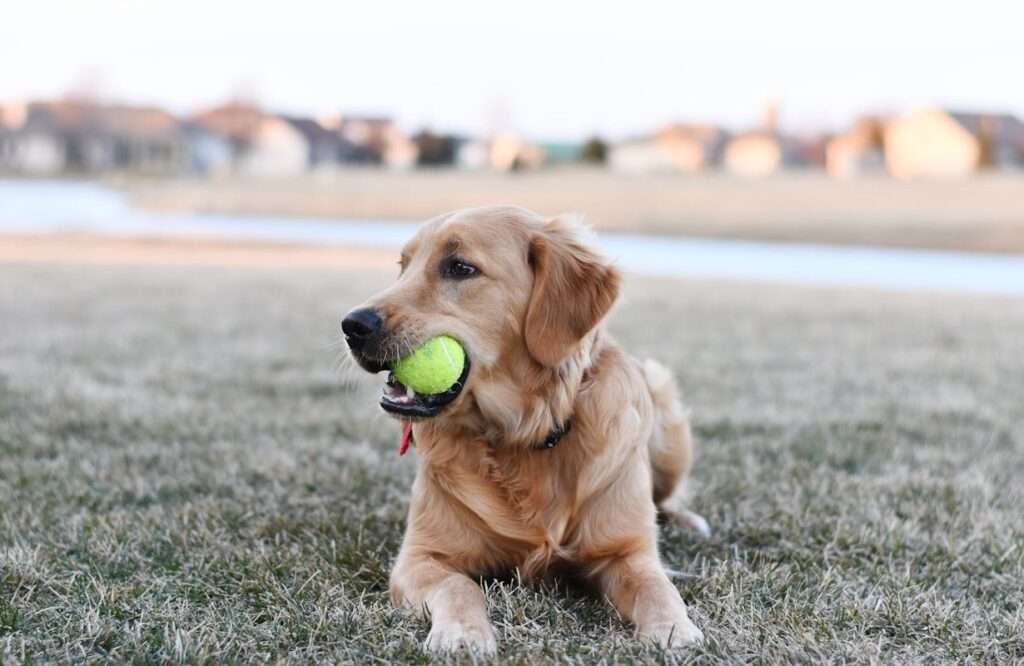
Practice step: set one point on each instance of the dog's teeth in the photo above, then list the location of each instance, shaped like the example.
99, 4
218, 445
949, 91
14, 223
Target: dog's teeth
409, 393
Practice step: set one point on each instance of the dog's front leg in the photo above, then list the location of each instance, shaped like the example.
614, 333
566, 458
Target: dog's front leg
457, 607
642, 593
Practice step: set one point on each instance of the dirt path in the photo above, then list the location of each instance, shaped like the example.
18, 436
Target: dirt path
95, 249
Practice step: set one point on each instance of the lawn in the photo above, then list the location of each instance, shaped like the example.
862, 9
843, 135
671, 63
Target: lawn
186, 475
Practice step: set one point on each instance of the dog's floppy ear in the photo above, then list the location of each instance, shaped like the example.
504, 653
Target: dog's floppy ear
573, 289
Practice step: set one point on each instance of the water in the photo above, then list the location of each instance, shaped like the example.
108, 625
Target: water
68, 206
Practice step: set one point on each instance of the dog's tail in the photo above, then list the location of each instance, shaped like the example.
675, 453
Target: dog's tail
672, 444
671, 448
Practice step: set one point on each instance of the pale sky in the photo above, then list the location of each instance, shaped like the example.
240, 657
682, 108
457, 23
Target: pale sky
549, 69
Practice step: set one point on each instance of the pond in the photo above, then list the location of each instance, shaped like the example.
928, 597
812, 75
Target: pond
60, 206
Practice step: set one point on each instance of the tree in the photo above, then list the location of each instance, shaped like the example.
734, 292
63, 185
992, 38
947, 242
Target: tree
595, 151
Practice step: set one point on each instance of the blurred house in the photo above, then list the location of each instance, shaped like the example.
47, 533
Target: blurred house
942, 143
29, 149
257, 143
324, 146
858, 151
766, 150
1001, 137
503, 152
678, 147
265, 144
6, 146
510, 152
436, 150
210, 154
358, 143
235, 122
810, 150
145, 140
11, 117
376, 140
761, 153
83, 137
473, 155
275, 149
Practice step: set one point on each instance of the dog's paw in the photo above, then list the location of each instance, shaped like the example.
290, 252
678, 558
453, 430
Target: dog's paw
451, 636
682, 633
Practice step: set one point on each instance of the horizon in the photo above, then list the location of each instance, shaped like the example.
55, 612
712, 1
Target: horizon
461, 72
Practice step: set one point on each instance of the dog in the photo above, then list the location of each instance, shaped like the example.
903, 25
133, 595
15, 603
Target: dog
554, 449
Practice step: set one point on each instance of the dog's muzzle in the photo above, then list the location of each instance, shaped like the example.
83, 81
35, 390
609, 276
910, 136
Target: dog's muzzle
366, 336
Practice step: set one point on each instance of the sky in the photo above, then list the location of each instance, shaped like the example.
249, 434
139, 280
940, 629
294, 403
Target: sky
550, 70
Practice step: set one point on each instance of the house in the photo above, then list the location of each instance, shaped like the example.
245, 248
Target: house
1001, 137
376, 140
811, 149
510, 152
640, 156
325, 145
358, 142
236, 123
942, 143
80, 136
274, 149
142, 139
210, 154
858, 151
473, 155
760, 153
766, 150
268, 145
6, 148
678, 147
38, 139
282, 145
11, 117
434, 150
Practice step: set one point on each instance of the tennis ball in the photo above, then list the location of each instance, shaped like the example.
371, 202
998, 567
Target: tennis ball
432, 368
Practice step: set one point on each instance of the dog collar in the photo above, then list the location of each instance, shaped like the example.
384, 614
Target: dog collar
555, 436
550, 442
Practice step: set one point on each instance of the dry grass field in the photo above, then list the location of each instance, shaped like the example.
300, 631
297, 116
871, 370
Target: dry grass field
982, 214
186, 477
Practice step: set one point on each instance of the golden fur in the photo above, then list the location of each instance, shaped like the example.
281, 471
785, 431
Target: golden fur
486, 499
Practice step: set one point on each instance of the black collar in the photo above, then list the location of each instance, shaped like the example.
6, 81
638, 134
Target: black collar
555, 436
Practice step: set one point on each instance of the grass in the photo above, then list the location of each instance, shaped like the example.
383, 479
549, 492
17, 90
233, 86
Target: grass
185, 477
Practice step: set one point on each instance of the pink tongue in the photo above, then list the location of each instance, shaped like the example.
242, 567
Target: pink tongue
403, 444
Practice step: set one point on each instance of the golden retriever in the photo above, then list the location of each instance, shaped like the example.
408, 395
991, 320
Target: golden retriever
556, 447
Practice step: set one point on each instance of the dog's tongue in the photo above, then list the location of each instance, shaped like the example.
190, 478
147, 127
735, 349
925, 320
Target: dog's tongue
403, 444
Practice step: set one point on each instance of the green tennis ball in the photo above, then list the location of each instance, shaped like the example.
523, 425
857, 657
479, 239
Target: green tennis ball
432, 368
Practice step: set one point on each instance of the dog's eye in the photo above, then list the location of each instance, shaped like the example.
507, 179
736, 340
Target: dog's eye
457, 269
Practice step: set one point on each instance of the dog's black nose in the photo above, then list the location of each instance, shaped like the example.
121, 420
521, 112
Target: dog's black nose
361, 326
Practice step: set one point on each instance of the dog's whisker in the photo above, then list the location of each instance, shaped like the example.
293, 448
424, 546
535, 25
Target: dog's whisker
337, 344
